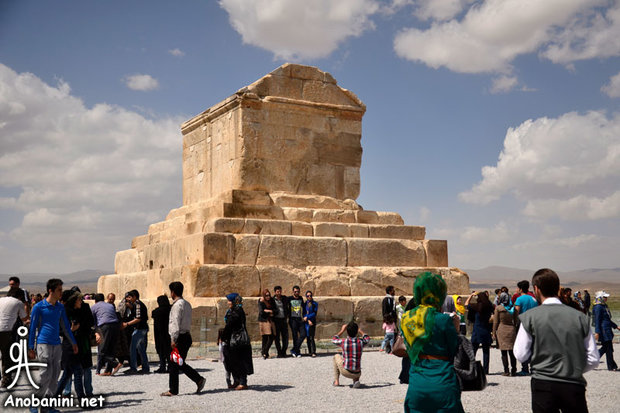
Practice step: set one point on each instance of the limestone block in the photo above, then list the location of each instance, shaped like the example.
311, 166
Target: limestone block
367, 281
330, 281
267, 227
358, 230
252, 211
189, 275
219, 248
285, 199
230, 225
334, 309
367, 309
351, 182
246, 249
330, 229
436, 253
301, 229
158, 282
157, 256
297, 214
328, 329
157, 227
284, 276
109, 284
127, 261
301, 251
397, 232
378, 217
218, 280
238, 196
330, 215
383, 252
140, 242
457, 280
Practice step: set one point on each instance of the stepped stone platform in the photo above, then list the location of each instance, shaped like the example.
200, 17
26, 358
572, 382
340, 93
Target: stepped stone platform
270, 177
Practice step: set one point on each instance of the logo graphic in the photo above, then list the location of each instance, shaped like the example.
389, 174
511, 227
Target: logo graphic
22, 358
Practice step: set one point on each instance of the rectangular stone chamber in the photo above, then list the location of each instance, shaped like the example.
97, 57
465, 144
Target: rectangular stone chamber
270, 178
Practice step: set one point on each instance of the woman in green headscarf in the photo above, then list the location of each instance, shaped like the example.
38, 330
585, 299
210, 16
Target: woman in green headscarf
431, 342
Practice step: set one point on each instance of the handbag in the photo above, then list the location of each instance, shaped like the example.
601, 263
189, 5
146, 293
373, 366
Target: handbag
175, 357
479, 382
239, 339
399, 349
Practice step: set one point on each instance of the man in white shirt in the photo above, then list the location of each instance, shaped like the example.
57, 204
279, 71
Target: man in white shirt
11, 308
179, 329
561, 346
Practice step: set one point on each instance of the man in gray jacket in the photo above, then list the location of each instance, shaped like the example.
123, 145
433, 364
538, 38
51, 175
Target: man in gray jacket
561, 346
179, 328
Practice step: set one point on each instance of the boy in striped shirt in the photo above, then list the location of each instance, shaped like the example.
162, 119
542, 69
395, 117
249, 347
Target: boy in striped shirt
349, 363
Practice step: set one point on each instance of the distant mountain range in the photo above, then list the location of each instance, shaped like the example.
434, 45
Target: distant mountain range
592, 279
498, 274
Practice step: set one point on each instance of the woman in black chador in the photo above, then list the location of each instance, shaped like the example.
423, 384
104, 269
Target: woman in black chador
161, 317
238, 350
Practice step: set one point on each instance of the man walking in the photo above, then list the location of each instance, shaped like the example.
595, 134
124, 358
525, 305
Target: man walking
524, 301
296, 320
561, 347
179, 329
108, 324
11, 309
284, 311
139, 315
47, 319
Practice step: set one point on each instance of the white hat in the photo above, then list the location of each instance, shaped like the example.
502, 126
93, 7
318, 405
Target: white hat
601, 294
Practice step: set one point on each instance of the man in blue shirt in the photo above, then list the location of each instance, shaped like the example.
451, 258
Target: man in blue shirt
524, 302
47, 318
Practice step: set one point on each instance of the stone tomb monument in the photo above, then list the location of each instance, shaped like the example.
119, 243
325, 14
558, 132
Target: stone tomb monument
270, 178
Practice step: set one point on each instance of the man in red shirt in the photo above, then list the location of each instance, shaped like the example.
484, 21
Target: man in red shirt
349, 363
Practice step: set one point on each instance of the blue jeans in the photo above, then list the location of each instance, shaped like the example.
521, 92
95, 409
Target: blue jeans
138, 344
77, 371
88, 383
389, 338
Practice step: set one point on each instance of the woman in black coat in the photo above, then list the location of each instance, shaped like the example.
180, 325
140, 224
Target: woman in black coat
237, 355
161, 317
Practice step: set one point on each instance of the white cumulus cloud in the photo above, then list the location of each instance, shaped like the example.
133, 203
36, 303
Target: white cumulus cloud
176, 52
499, 233
567, 167
612, 89
440, 9
492, 33
88, 180
141, 82
293, 29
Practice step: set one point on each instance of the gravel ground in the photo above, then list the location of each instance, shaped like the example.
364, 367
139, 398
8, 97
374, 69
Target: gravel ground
307, 382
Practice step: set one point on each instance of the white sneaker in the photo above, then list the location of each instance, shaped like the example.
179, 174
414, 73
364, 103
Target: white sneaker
356, 384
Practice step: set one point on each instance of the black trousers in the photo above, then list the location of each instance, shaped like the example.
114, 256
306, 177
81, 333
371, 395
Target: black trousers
110, 334
310, 339
608, 349
556, 396
513, 361
267, 341
6, 339
298, 331
184, 342
281, 335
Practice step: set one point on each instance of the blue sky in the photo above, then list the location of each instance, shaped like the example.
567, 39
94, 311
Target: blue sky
493, 123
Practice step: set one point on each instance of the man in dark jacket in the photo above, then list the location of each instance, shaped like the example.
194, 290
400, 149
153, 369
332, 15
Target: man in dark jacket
139, 319
279, 319
296, 320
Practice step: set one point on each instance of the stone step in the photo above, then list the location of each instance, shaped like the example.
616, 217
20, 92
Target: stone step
318, 229
296, 251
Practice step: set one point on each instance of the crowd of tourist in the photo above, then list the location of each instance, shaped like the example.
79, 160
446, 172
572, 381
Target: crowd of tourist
547, 330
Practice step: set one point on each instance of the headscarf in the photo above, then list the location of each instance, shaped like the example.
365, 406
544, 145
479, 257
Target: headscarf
459, 307
504, 299
417, 325
231, 297
599, 300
